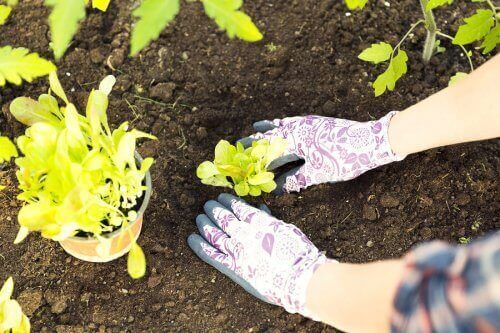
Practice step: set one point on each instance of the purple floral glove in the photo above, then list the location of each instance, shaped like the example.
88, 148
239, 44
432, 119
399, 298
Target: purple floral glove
332, 149
271, 259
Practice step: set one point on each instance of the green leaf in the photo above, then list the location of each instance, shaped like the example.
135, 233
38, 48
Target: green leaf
396, 69
376, 53
491, 40
224, 152
4, 13
354, 4
153, 15
56, 87
18, 64
218, 180
261, 178
206, 170
29, 112
268, 187
63, 23
431, 4
7, 149
136, 262
7, 289
228, 17
102, 5
457, 77
242, 189
255, 191
476, 27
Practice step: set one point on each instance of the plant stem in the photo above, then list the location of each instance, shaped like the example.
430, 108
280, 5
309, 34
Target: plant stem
461, 46
430, 25
413, 26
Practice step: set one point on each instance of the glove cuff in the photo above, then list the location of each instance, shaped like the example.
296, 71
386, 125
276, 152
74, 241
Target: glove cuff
385, 154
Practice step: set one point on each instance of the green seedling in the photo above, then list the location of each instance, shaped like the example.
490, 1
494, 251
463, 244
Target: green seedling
76, 175
244, 170
152, 16
7, 152
483, 26
17, 64
464, 240
12, 318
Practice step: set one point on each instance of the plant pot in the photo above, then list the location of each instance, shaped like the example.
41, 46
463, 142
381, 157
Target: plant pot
86, 248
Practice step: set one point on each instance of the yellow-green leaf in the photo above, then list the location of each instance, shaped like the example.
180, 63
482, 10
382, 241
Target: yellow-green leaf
102, 5
475, 28
456, 78
228, 17
17, 64
63, 23
136, 262
431, 4
4, 13
56, 87
396, 69
491, 40
7, 149
153, 15
376, 53
355, 4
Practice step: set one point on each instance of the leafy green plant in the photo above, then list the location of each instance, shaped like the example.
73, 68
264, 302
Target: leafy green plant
7, 151
4, 13
12, 318
76, 175
483, 26
245, 170
152, 16
17, 64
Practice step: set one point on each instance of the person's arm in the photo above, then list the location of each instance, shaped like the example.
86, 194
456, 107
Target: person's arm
354, 297
435, 288
467, 111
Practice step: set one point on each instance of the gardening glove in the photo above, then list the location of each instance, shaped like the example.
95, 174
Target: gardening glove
331, 149
270, 259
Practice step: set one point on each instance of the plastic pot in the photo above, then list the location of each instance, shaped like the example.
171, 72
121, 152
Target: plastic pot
86, 248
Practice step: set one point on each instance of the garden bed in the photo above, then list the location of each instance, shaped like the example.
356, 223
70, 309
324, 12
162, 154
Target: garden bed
193, 87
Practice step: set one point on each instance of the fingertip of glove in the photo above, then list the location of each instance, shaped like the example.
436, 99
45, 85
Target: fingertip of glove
263, 126
226, 199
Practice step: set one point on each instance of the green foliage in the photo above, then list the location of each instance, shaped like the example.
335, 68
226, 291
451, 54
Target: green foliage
475, 28
491, 40
432, 4
464, 240
376, 53
153, 15
228, 17
136, 262
63, 23
4, 13
12, 318
246, 168
102, 5
7, 149
355, 4
75, 173
456, 78
17, 65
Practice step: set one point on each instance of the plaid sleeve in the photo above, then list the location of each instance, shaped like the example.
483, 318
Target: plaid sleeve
450, 288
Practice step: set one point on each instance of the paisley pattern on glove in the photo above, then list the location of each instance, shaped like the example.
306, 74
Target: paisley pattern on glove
276, 258
333, 149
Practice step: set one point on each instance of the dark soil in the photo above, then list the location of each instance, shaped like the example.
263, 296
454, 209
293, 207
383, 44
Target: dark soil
213, 88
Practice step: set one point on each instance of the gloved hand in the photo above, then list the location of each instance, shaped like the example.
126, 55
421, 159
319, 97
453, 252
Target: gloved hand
270, 259
332, 149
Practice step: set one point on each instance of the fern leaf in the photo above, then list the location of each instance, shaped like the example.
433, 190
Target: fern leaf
153, 15
18, 64
228, 17
63, 22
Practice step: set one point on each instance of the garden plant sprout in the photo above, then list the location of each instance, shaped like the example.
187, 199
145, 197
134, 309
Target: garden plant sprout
152, 17
76, 175
483, 26
12, 318
245, 170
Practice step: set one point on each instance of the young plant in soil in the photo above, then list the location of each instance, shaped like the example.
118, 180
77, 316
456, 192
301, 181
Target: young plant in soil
483, 26
152, 17
12, 318
77, 176
245, 170
7, 151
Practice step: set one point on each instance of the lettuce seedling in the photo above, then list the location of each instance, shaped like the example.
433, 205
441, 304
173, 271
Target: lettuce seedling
12, 318
483, 26
76, 175
245, 170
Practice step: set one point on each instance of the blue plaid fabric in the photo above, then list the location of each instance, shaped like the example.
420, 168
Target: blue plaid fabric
450, 289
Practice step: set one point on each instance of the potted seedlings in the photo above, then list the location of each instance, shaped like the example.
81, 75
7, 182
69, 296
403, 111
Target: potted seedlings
83, 184
12, 318
245, 170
